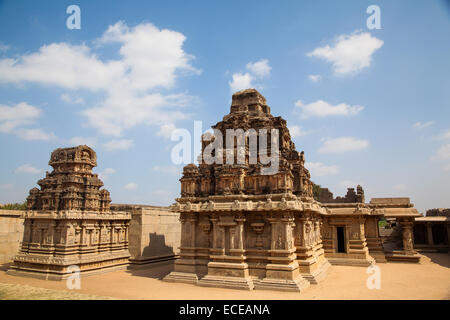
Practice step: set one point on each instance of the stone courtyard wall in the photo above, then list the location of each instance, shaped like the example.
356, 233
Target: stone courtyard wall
11, 232
155, 233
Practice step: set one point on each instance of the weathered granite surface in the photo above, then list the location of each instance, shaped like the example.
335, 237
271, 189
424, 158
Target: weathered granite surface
68, 225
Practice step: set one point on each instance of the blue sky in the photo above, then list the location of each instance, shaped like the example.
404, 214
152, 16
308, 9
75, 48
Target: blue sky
368, 106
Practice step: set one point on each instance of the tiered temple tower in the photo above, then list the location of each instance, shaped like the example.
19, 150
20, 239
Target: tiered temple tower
69, 222
249, 224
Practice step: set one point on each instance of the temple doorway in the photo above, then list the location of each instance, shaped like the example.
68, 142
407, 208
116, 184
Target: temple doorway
340, 239
439, 234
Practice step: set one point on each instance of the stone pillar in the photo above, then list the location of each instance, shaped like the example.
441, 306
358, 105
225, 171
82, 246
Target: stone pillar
185, 267
282, 271
240, 232
407, 231
214, 223
448, 236
430, 233
228, 268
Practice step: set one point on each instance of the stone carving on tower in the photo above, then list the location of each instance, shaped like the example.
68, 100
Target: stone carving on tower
255, 202
68, 224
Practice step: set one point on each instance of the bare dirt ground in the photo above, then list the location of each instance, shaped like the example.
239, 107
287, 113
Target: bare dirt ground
428, 280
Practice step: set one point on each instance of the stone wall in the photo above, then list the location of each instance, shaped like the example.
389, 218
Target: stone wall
11, 232
326, 196
439, 212
155, 233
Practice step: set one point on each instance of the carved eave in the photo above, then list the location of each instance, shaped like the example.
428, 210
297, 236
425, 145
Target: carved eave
76, 215
353, 209
249, 205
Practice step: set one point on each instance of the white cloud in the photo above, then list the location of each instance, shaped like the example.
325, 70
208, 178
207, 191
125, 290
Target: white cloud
13, 118
343, 144
89, 141
4, 47
118, 144
422, 125
445, 135
315, 77
63, 65
104, 175
18, 115
173, 170
130, 186
444, 152
166, 130
241, 81
297, 131
35, 134
260, 68
27, 168
151, 60
71, 99
321, 108
350, 53
319, 169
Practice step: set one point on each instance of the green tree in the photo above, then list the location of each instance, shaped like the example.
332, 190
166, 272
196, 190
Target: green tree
14, 206
316, 190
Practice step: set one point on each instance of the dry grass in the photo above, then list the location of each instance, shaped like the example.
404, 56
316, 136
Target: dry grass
25, 292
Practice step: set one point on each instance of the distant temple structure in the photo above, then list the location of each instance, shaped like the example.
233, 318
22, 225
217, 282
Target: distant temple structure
432, 232
244, 227
69, 222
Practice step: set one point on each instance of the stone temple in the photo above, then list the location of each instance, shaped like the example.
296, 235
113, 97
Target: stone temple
247, 228
69, 222
250, 216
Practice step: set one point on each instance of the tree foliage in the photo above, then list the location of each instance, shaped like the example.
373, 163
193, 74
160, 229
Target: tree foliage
316, 190
14, 206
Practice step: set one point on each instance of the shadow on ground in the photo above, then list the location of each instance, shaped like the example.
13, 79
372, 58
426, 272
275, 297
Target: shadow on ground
156, 270
442, 259
5, 266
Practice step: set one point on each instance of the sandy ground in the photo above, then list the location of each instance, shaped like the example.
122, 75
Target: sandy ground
428, 280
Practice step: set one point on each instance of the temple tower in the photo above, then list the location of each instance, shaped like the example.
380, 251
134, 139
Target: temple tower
68, 225
248, 216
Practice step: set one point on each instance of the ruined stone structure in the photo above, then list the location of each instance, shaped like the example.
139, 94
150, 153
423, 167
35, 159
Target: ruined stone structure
325, 196
432, 232
439, 212
247, 228
154, 233
69, 222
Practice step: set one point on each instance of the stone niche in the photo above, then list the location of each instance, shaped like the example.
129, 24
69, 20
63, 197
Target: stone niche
243, 228
68, 225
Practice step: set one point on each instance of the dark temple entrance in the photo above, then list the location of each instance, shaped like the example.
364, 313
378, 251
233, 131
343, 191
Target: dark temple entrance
340, 239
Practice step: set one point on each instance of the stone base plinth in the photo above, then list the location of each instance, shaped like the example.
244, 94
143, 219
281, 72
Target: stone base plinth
351, 262
227, 275
154, 259
319, 274
36, 266
183, 277
379, 257
226, 282
296, 285
401, 256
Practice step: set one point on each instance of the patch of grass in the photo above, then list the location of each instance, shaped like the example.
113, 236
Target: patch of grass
24, 292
